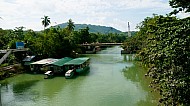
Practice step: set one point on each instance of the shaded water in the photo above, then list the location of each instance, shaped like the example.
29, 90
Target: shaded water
113, 80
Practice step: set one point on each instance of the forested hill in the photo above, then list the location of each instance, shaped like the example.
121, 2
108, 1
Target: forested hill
93, 28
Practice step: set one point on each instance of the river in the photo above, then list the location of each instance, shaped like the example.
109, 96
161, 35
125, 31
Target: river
113, 80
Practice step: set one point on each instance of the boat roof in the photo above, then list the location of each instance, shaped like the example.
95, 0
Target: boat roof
45, 61
62, 61
28, 58
77, 61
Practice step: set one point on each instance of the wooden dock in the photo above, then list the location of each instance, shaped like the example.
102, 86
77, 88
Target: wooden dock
8, 52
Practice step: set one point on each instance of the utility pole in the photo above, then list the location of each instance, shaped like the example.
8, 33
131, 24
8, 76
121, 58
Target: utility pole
129, 32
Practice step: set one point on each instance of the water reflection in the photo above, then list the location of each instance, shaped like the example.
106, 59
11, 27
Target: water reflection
51, 87
21, 87
129, 57
136, 75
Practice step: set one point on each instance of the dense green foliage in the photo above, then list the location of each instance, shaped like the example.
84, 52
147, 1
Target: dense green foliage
180, 5
54, 42
163, 44
133, 44
167, 55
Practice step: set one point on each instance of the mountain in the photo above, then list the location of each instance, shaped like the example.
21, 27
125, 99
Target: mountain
93, 28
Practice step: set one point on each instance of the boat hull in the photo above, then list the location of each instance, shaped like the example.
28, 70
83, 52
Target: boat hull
69, 76
81, 70
48, 75
69, 73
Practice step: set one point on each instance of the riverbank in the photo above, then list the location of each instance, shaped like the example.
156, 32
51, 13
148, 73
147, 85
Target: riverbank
113, 79
10, 71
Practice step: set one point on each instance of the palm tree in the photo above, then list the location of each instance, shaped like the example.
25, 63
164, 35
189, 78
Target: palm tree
45, 21
70, 25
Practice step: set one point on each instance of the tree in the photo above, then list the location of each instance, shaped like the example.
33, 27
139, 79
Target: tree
45, 21
132, 44
84, 35
4, 38
180, 5
19, 33
70, 25
166, 53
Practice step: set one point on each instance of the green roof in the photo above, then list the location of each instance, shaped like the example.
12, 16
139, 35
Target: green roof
77, 61
62, 61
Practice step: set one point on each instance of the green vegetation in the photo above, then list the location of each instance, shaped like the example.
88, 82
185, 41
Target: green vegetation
45, 21
6, 71
163, 46
94, 28
54, 41
70, 25
180, 5
167, 55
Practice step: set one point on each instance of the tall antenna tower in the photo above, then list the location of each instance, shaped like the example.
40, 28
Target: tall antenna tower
129, 32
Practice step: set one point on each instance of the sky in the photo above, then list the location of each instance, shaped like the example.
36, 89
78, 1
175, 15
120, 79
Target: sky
111, 13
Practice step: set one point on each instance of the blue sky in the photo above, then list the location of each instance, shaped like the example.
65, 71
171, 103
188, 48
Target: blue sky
114, 13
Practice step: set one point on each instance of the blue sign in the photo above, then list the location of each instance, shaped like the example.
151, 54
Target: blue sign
19, 45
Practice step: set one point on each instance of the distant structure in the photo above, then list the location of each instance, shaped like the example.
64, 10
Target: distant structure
129, 32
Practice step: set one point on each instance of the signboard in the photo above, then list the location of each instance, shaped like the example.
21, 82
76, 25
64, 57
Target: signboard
19, 45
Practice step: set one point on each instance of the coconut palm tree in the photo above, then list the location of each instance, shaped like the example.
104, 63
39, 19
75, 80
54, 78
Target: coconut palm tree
70, 25
45, 21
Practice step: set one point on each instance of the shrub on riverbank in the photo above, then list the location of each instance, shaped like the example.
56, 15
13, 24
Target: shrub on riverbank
9, 71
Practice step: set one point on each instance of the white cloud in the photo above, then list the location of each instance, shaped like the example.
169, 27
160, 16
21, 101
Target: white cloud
183, 15
134, 4
113, 13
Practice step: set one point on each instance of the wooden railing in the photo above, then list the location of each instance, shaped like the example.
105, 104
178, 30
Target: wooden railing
101, 44
5, 56
8, 52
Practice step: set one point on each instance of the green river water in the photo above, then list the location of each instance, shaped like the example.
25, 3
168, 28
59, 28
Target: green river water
113, 80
